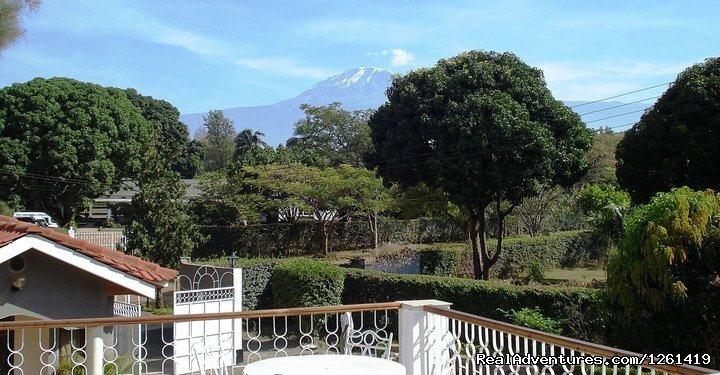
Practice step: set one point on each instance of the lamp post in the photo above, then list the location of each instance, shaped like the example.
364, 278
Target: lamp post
232, 259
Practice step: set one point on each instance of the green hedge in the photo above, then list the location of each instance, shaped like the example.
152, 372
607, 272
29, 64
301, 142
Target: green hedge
305, 237
580, 310
304, 282
257, 283
562, 249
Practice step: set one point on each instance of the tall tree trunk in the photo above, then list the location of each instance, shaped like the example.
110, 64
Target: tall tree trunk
476, 229
326, 228
372, 221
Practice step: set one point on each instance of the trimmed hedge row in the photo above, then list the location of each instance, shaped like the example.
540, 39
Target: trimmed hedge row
304, 282
581, 311
566, 249
307, 282
305, 237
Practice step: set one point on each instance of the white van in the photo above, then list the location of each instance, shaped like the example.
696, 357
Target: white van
40, 218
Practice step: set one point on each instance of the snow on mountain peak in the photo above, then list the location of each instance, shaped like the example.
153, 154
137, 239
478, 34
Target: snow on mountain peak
352, 77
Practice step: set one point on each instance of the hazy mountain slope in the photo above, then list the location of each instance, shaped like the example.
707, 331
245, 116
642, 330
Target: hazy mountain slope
364, 88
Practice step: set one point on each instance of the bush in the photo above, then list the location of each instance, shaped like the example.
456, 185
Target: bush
304, 282
441, 262
482, 298
305, 237
257, 283
520, 255
533, 318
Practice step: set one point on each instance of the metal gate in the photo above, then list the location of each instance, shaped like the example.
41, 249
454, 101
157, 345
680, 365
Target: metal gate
207, 347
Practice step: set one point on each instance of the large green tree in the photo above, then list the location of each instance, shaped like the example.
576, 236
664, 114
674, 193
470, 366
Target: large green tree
174, 147
677, 141
330, 194
162, 229
11, 12
63, 141
484, 127
218, 140
340, 136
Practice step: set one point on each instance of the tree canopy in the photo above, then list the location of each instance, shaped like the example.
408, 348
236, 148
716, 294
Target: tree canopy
677, 142
173, 144
340, 136
218, 141
248, 141
62, 141
484, 127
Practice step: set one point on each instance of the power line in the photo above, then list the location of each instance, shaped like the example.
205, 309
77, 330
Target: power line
620, 95
620, 105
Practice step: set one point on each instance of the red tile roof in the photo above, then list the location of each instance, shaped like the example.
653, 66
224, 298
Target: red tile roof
12, 229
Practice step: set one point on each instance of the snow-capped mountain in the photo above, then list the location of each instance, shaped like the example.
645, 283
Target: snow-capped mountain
360, 88
364, 88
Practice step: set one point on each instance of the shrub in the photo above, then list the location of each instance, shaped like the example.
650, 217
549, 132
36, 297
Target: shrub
305, 237
441, 262
257, 283
533, 318
304, 282
480, 297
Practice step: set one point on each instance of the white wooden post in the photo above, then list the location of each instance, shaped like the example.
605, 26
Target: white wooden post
71, 232
237, 323
418, 335
95, 348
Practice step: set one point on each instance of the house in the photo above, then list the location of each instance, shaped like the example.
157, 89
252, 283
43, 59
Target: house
101, 208
49, 275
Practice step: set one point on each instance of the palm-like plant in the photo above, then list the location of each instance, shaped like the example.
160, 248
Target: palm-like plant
248, 141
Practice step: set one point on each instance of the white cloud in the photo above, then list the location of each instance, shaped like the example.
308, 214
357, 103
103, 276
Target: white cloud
400, 57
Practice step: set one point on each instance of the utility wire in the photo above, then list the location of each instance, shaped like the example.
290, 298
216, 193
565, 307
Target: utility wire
620, 95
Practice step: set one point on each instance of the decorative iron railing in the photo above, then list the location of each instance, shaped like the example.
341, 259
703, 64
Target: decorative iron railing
429, 339
476, 345
146, 345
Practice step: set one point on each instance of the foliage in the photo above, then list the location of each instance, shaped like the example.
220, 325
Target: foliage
478, 297
664, 281
670, 251
306, 238
441, 262
161, 228
532, 317
676, 142
218, 140
484, 127
257, 284
11, 11
63, 141
304, 282
331, 194
340, 136
601, 158
606, 206
5, 209
172, 137
227, 199
534, 211
248, 141
522, 255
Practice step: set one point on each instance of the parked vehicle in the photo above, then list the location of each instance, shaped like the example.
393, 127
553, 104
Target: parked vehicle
40, 218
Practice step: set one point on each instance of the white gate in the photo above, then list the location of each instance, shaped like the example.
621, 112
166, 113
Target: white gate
207, 347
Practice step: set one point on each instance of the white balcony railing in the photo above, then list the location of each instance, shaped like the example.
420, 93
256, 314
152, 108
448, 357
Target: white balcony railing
430, 339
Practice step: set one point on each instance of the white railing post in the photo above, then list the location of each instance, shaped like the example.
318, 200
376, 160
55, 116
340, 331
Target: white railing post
95, 350
71, 232
237, 323
419, 335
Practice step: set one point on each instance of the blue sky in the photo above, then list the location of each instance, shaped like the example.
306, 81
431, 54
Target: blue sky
202, 55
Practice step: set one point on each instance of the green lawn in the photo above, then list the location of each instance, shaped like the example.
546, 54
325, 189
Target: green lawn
575, 274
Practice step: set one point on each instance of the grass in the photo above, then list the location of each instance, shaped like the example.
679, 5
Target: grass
582, 274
